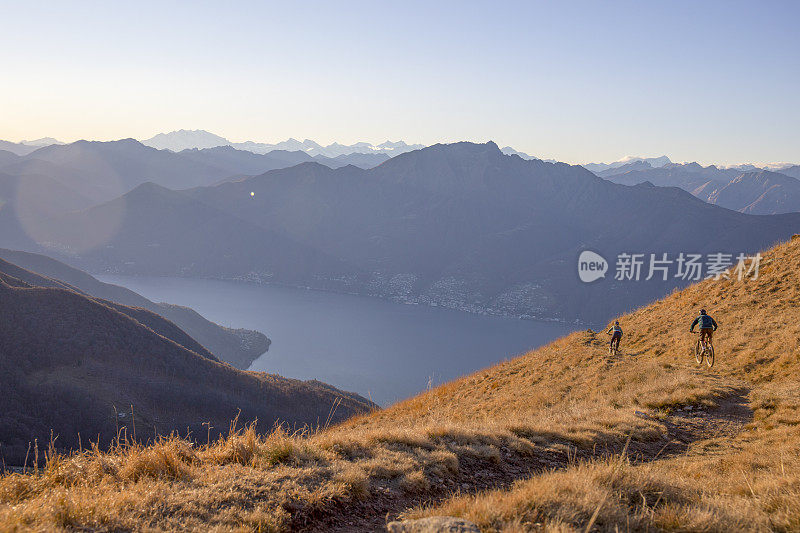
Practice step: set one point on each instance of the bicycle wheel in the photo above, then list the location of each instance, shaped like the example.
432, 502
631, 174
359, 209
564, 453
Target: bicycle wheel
698, 352
710, 355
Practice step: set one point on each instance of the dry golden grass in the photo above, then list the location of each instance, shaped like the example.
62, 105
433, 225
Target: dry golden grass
747, 481
724, 494
564, 411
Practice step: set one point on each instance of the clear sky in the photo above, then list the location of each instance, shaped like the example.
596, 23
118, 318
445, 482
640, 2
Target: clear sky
713, 81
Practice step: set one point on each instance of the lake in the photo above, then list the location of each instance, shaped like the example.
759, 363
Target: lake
382, 350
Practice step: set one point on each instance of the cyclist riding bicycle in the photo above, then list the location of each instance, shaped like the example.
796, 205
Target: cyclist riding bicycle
707, 326
617, 334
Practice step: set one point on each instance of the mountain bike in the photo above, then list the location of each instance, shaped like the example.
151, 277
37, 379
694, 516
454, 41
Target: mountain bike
704, 350
613, 348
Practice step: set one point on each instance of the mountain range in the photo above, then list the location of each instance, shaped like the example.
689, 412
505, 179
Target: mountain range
759, 192
651, 161
364, 155
510, 151
460, 225
79, 367
793, 171
180, 140
26, 147
242, 162
164, 232
60, 178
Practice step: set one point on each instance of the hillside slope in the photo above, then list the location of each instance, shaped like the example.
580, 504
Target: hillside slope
164, 232
239, 347
568, 437
71, 363
742, 474
14, 274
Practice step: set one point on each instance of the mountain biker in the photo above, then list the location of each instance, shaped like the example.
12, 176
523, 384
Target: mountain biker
707, 326
617, 333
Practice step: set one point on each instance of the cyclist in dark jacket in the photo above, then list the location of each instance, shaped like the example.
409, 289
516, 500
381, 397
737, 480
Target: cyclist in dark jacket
707, 326
616, 333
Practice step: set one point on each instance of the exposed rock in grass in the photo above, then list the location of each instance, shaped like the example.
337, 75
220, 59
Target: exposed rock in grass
434, 524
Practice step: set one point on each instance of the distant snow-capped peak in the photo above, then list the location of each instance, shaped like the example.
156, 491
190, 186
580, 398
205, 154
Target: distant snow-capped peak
654, 162
187, 139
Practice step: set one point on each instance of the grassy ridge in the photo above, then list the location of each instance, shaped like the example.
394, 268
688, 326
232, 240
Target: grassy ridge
239, 347
76, 369
745, 480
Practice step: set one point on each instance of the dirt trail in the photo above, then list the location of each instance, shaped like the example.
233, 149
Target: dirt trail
725, 420
690, 430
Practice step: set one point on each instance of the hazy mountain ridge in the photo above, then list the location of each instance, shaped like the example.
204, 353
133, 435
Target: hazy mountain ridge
500, 211
652, 161
104, 170
793, 171
26, 147
202, 241
6, 157
95, 172
236, 161
459, 225
757, 192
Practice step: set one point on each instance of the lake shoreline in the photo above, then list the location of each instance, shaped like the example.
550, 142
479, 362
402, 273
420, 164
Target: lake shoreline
375, 347
481, 311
